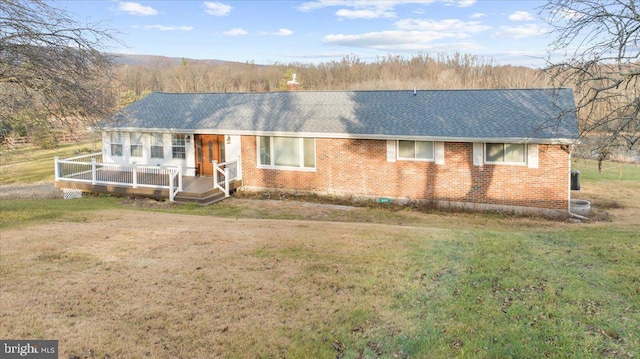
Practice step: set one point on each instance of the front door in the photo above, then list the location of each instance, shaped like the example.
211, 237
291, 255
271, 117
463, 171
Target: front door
209, 148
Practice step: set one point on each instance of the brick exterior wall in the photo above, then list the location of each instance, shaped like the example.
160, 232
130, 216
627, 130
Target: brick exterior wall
360, 168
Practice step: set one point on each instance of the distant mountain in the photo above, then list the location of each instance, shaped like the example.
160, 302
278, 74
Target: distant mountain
124, 59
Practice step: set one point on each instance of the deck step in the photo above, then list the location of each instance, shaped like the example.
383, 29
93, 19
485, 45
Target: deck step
203, 199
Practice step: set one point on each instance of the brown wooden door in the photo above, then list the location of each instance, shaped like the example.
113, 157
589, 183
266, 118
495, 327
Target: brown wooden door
209, 148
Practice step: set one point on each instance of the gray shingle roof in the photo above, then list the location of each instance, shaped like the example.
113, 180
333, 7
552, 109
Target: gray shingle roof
526, 114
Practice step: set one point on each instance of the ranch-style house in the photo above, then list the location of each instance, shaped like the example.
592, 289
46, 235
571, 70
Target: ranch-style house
490, 149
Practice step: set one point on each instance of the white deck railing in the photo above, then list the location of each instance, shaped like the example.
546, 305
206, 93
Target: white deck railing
88, 169
226, 172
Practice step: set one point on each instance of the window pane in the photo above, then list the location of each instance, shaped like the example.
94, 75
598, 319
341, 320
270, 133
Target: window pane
265, 151
406, 149
309, 152
136, 138
116, 150
286, 151
116, 137
157, 152
495, 152
424, 150
136, 150
514, 152
178, 152
156, 139
178, 140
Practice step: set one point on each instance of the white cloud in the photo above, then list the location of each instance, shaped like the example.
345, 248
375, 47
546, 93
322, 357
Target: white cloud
134, 8
283, 32
521, 16
478, 15
446, 25
362, 9
164, 28
236, 32
466, 3
403, 41
389, 40
518, 32
365, 13
461, 3
217, 8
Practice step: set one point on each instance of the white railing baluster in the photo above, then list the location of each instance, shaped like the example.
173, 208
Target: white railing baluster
134, 175
93, 171
56, 168
180, 177
226, 181
215, 174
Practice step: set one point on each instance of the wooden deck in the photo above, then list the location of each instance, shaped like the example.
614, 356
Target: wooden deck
198, 189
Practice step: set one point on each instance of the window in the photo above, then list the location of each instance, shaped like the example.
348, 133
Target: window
415, 150
116, 143
179, 146
157, 146
514, 153
287, 152
136, 144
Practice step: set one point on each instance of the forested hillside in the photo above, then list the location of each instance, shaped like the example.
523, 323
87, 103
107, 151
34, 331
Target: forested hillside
351, 73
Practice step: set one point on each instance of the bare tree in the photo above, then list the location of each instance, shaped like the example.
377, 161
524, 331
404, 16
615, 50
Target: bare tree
600, 45
52, 68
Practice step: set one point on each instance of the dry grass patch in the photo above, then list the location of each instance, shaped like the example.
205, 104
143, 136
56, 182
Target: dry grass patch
143, 284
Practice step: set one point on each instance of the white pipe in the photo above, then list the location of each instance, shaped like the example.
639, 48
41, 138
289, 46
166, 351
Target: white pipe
578, 216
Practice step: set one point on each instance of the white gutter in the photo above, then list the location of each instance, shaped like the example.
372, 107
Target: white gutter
560, 141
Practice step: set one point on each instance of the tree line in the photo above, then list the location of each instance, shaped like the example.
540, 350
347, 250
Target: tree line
391, 72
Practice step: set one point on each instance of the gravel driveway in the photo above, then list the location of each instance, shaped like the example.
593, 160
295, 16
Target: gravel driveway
40, 190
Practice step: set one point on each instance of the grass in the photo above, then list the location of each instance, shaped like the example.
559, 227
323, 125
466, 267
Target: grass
267, 279
20, 213
28, 164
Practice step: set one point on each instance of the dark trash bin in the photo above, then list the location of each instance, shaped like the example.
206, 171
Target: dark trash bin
575, 180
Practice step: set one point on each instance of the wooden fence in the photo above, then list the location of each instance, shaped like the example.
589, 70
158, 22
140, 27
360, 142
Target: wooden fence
60, 138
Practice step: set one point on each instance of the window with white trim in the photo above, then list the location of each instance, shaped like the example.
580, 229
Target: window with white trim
506, 153
415, 150
116, 143
287, 152
157, 145
179, 146
135, 139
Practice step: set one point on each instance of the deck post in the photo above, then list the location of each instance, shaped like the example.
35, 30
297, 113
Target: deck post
215, 174
94, 175
226, 181
134, 175
239, 169
180, 177
56, 169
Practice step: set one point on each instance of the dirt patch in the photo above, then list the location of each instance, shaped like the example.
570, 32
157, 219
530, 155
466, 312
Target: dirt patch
40, 190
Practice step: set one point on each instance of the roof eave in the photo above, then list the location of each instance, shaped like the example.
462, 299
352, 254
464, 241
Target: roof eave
533, 140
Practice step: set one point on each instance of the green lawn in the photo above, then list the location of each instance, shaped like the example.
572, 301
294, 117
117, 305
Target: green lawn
393, 283
27, 164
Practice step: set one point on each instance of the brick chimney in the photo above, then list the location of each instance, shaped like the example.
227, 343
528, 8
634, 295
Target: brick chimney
293, 85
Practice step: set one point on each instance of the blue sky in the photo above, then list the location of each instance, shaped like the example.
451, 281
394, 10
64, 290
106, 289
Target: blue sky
268, 32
